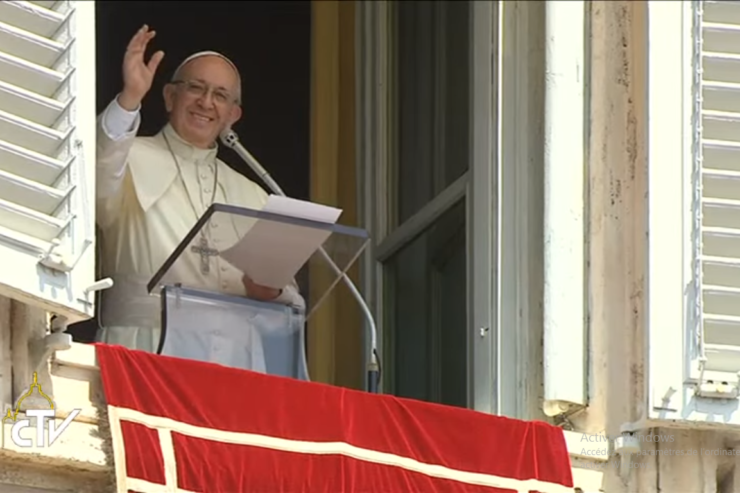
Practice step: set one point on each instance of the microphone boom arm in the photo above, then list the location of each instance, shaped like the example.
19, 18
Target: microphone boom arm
230, 139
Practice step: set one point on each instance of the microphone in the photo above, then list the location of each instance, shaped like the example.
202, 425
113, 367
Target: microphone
230, 139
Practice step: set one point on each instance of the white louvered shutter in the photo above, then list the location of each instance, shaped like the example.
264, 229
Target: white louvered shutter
47, 154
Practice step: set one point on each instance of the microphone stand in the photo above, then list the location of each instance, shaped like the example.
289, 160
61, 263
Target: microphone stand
230, 139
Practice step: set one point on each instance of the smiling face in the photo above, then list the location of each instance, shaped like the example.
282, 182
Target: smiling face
203, 100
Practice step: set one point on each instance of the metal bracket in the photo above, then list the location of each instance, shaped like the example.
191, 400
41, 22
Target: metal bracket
100, 285
178, 293
714, 389
62, 262
716, 385
626, 446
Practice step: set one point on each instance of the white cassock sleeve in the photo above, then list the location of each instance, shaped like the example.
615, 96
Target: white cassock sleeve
116, 131
119, 123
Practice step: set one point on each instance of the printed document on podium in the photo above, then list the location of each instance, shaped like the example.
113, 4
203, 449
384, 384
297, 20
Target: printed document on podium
272, 253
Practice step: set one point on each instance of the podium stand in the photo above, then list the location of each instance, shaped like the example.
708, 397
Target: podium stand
206, 314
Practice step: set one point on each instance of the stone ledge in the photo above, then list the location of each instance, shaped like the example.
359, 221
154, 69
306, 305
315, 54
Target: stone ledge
73, 388
22, 476
79, 355
584, 449
81, 447
75, 381
588, 463
14, 488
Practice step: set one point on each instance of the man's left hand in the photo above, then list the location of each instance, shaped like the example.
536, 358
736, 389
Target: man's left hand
259, 293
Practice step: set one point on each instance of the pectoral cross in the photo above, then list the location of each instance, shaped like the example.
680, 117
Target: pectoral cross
205, 252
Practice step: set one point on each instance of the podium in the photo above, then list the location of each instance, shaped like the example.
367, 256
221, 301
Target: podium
206, 313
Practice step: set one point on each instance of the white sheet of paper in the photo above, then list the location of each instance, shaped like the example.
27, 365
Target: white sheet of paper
302, 209
272, 253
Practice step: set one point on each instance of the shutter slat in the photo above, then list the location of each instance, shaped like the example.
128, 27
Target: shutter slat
718, 28
19, 72
724, 155
726, 11
722, 67
722, 145
725, 232
31, 165
27, 221
722, 96
48, 4
31, 17
725, 274
721, 261
732, 116
722, 290
721, 242
31, 106
31, 194
722, 126
723, 357
721, 174
721, 203
31, 47
719, 184
29, 135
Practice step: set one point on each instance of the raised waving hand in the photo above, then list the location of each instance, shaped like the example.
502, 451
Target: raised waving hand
137, 74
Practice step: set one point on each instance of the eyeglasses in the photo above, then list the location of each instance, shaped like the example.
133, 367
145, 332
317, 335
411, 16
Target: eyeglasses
201, 89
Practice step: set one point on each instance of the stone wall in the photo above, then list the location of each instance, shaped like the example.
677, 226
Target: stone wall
80, 460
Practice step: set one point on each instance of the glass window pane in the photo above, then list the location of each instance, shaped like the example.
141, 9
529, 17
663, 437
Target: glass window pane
427, 313
432, 95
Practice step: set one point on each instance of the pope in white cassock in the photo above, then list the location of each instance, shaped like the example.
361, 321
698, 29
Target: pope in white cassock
152, 190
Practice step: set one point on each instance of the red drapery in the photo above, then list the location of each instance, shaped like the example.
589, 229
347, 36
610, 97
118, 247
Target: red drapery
186, 426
